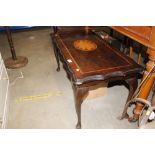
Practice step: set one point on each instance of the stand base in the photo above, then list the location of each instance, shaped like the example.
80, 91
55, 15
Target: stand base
14, 64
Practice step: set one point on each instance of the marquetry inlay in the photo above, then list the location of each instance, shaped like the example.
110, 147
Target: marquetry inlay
85, 45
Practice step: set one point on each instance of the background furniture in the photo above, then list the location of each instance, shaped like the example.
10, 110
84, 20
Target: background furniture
14, 61
146, 36
89, 60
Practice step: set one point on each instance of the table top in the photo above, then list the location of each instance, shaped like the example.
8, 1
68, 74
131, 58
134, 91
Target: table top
99, 62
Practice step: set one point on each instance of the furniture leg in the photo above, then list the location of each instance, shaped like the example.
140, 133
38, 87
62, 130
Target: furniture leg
133, 83
57, 58
145, 90
79, 95
56, 55
55, 29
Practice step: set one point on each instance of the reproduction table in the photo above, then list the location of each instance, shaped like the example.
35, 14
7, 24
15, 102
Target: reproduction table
88, 60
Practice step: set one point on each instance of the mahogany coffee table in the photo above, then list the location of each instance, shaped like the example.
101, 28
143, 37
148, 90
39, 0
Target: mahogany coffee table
88, 60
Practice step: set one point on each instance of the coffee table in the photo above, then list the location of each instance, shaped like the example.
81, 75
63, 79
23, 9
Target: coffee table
88, 60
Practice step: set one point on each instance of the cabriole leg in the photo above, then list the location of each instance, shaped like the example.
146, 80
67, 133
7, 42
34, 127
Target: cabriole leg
79, 94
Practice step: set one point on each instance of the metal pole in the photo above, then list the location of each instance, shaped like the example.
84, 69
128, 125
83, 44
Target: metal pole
8, 33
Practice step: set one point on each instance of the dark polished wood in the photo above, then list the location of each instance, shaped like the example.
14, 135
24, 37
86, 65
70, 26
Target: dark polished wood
87, 68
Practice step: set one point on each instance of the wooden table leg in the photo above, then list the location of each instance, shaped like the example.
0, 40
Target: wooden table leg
79, 95
133, 83
56, 55
14, 61
55, 29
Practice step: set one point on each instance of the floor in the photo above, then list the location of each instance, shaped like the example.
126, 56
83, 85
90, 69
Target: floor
41, 97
